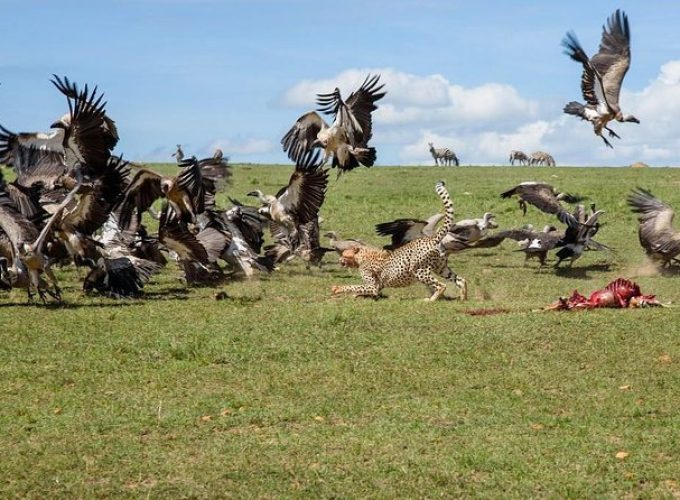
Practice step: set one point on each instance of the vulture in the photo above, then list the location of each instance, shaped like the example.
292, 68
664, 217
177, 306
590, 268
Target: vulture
83, 217
79, 144
346, 140
534, 244
602, 76
657, 236
223, 239
299, 202
401, 231
191, 254
30, 261
118, 273
185, 193
473, 230
340, 245
576, 239
544, 197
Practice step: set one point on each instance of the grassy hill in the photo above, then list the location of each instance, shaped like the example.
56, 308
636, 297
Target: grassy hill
281, 390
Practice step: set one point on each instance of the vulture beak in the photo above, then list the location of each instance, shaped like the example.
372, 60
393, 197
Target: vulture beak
253, 193
633, 119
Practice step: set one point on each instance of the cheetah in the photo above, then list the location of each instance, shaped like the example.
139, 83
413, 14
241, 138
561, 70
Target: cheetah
418, 260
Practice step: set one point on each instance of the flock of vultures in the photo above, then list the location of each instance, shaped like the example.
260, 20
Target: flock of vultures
73, 202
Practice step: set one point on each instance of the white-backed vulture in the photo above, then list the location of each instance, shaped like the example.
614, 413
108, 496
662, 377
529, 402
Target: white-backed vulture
346, 140
602, 75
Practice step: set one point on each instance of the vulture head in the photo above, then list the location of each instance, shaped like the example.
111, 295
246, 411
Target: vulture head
490, 220
64, 122
166, 185
627, 118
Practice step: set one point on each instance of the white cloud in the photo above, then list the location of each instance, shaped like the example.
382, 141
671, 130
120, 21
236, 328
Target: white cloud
413, 99
483, 123
242, 146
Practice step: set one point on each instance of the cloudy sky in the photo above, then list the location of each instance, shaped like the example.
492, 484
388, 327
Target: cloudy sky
480, 77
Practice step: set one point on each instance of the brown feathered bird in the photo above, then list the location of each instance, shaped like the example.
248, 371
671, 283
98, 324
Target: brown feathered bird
657, 236
602, 76
544, 197
346, 140
185, 193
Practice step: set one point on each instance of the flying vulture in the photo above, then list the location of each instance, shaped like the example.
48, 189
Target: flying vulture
602, 76
346, 140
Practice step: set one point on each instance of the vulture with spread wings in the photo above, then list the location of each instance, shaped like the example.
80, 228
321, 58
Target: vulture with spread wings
656, 233
401, 231
185, 193
347, 138
80, 142
602, 75
299, 202
544, 197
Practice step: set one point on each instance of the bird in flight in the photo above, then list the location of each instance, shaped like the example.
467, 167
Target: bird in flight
602, 76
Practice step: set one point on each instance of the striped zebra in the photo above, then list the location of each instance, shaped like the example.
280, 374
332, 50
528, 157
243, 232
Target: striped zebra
541, 158
179, 154
518, 156
445, 155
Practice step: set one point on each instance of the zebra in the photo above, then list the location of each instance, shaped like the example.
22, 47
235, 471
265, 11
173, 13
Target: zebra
541, 158
179, 154
518, 156
445, 155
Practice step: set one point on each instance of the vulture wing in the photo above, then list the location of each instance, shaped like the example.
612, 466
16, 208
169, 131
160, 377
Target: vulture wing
656, 223
24, 150
144, 189
190, 179
87, 140
300, 138
591, 81
613, 57
15, 225
401, 231
306, 189
70, 90
354, 115
95, 204
175, 235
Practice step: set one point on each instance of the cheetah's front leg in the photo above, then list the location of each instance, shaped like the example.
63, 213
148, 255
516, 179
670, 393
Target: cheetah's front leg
369, 288
460, 283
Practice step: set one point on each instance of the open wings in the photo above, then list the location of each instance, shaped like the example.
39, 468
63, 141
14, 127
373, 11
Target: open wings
88, 138
542, 196
613, 57
354, 114
603, 74
306, 189
656, 223
301, 137
144, 189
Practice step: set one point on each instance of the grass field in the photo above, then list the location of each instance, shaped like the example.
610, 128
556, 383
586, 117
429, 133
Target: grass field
282, 391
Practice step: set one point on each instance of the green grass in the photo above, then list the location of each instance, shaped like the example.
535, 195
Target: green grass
282, 391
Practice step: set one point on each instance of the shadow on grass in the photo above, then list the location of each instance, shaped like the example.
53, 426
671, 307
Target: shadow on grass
582, 271
71, 305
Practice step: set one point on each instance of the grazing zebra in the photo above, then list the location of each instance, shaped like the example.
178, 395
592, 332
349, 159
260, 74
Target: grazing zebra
445, 155
518, 156
541, 158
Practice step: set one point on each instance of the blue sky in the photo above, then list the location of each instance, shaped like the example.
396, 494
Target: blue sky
479, 77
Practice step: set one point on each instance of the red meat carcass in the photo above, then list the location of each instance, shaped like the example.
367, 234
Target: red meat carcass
620, 293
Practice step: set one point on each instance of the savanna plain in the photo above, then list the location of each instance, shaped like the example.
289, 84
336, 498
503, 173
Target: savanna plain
280, 390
